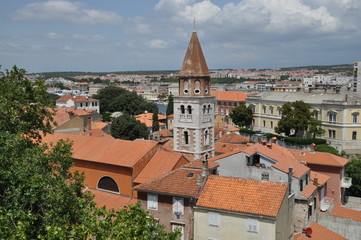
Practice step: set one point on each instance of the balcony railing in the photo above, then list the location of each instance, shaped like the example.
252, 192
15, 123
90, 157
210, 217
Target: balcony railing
346, 182
327, 204
185, 117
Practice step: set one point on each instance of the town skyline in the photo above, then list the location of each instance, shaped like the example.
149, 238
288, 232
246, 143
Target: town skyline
43, 36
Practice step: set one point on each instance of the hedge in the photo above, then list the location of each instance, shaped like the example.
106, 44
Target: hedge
297, 140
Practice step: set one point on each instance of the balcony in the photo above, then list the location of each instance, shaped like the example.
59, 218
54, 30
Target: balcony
346, 182
327, 204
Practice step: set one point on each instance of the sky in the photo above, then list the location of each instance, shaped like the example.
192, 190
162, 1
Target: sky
113, 35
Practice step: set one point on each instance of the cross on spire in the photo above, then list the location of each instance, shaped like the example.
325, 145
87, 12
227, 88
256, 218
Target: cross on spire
194, 24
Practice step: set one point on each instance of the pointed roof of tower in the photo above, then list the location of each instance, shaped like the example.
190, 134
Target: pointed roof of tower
194, 63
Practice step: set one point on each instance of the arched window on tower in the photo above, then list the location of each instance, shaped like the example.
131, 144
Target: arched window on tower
186, 87
189, 109
182, 109
186, 137
209, 108
206, 137
204, 109
107, 183
197, 87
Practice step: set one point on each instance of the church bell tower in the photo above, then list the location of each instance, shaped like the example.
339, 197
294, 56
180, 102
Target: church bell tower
193, 124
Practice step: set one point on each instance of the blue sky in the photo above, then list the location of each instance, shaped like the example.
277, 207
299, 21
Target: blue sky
113, 35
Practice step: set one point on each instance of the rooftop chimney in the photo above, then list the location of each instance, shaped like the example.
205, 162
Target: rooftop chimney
315, 180
71, 114
269, 145
312, 147
274, 140
203, 176
290, 169
263, 142
89, 123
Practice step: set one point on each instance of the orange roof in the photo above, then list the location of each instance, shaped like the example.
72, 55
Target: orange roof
76, 99
62, 114
227, 154
233, 138
343, 212
149, 116
99, 125
170, 116
242, 195
308, 190
231, 96
160, 164
220, 147
282, 157
164, 133
97, 133
321, 178
319, 158
319, 232
181, 181
104, 150
111, 200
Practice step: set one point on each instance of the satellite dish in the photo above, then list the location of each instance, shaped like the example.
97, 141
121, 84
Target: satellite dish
307, 231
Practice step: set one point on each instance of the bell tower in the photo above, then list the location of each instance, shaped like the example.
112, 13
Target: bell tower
194, 107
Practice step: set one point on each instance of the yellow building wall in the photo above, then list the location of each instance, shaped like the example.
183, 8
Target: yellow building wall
232, 226
73, 126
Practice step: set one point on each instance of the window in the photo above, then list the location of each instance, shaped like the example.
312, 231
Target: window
309, 210
182, 109
271, 124
213, 219
206, 137
81, 104
331, 133
264, 109
332, 116
265, 176
354, 135
264, 123
315, 114
204, 109
189, 108
253, 107
306, 179
279, 111
252, 225
314, 203
152, 201
271, 109
186, 137
178, 206
107, 183
209, 108
301, 185
355, 117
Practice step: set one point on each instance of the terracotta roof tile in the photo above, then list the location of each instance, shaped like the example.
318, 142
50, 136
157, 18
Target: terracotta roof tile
343, 212
149, 116
76, 99
198, 164
164, 133
320, 232
231, 96
233, 138
62, 114
220, 147
227, 154
111, 200
321, 178
242, 195
160, 164
308, 190
104, 150
319, 158
97, 133
99, 125
284, 159
181, 181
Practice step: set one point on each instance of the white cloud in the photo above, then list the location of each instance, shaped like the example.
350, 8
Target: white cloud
53, 35
73, 12
94, 38
171, 5
202, 11
70, 49
157, 43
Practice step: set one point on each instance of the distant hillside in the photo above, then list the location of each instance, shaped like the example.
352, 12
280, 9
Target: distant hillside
331, 68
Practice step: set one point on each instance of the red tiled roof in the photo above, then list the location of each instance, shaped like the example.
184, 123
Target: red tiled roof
160, 164
111, 200
320, 232
282, 157
181, 181
104, 150
227, 154
164, 133
319, 158
231, 96
233, 138
242, 195
308, 190
321, 178
220, 147
99, 125
348, 213
97, 133
198, 164
76, 99
149, 116
62, 114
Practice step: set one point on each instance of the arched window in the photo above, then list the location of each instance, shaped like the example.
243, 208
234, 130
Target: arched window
206, 137
182, 109
189, 109
186, 137
271, 109
279, 111
355, 117
197, 87
107, 183
209, 108
253, 107
186, 86
204, 109
332, 116
315, 114
264, 109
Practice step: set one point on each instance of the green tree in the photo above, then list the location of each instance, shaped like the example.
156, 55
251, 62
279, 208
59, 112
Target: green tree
24, 105
155, 122
170, 106
327, 148
296, 116
242, 116
128, 128
353, 170
315, 128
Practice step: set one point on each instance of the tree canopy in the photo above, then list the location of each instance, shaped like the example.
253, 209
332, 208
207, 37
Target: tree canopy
242, 116
113, 99
39, 197
353, 170
315, 128
128, 128
155, 122
170, 106
296, 116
